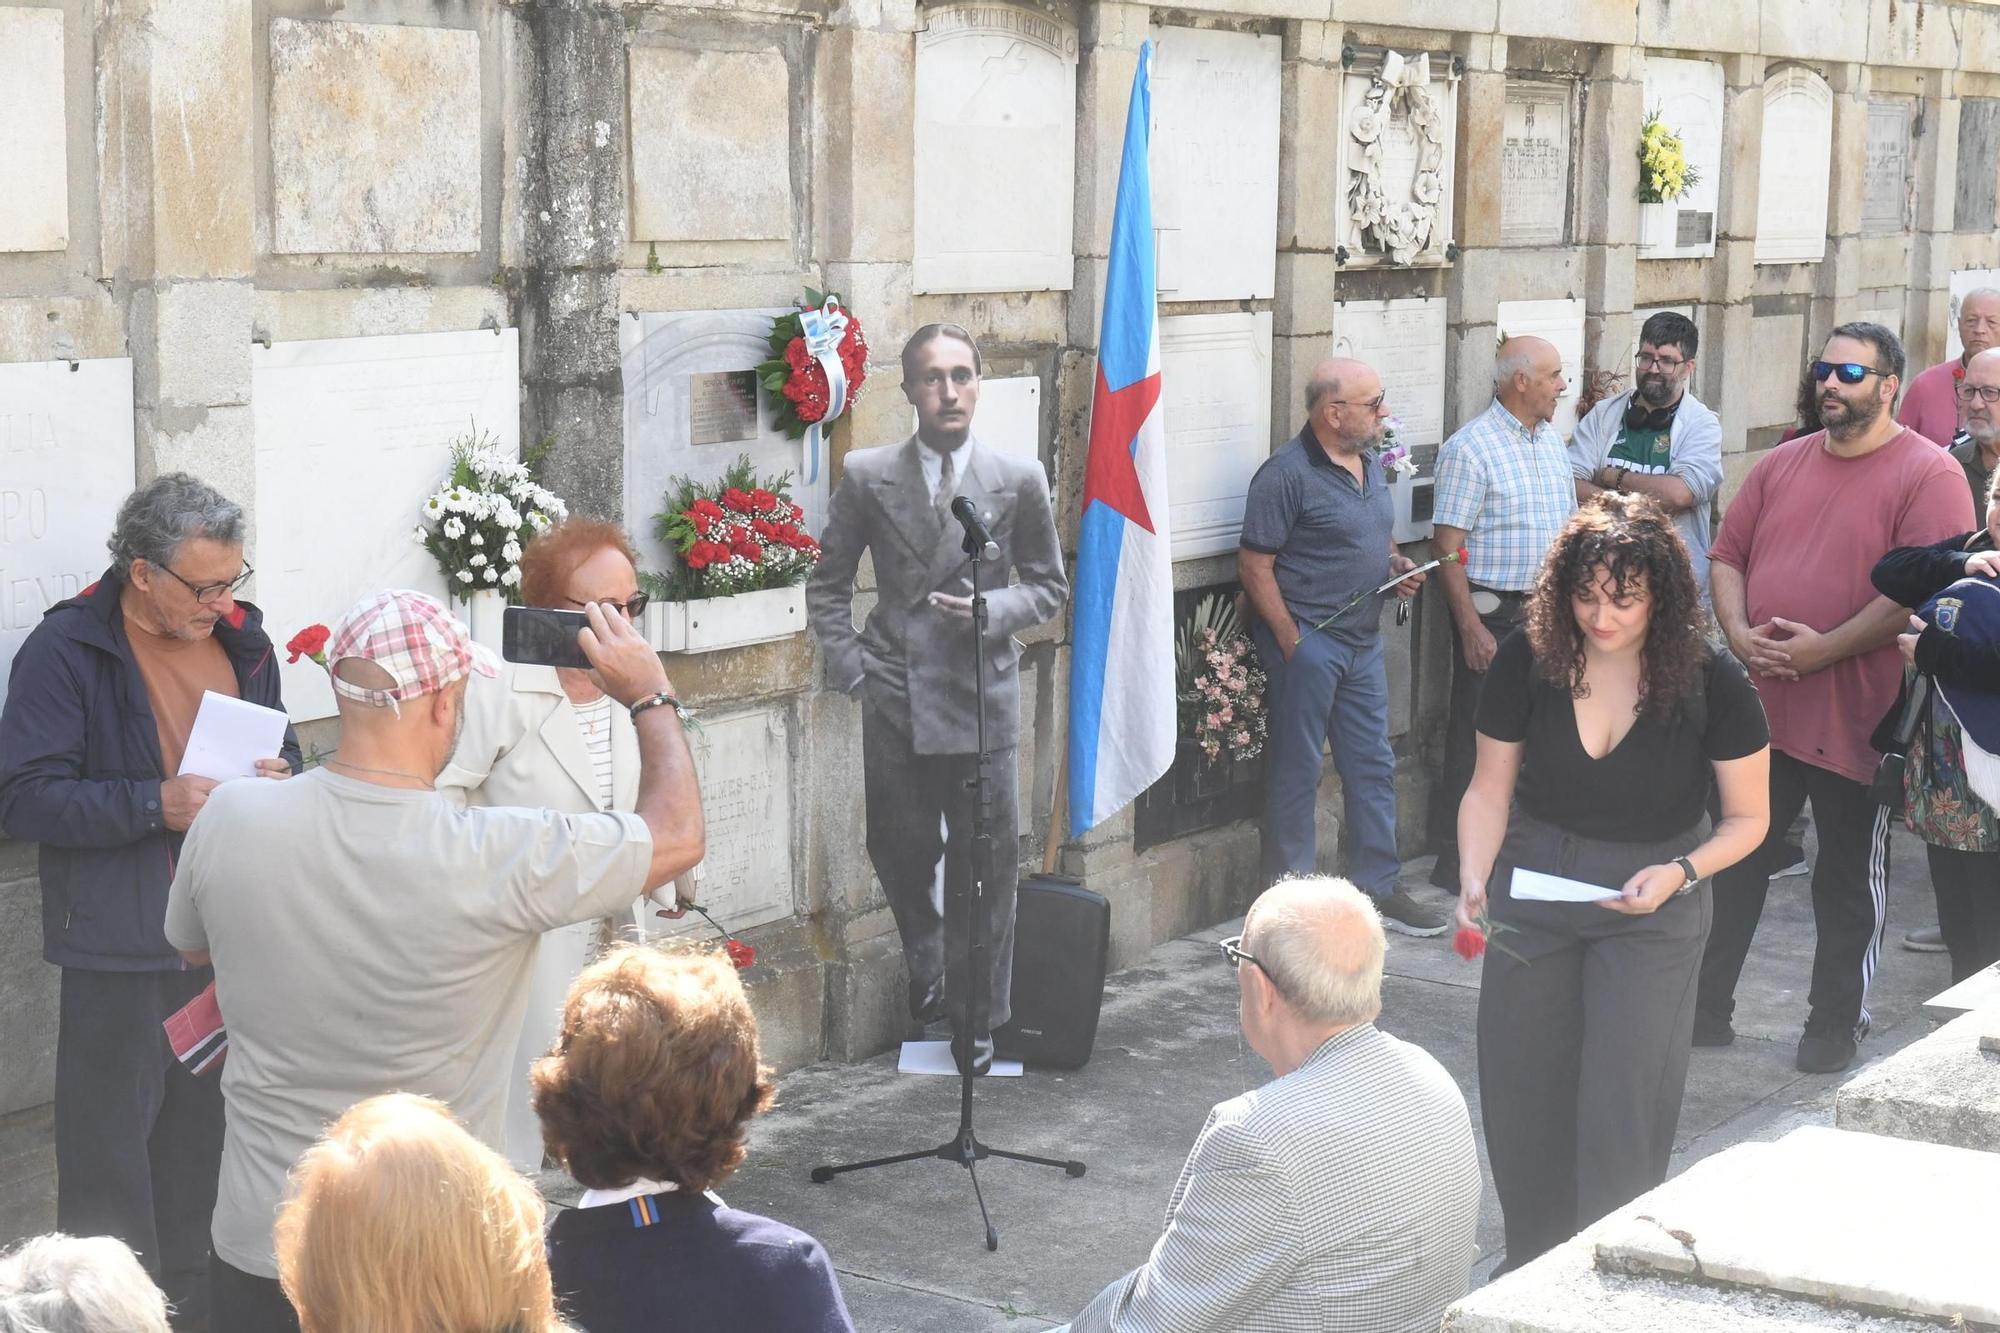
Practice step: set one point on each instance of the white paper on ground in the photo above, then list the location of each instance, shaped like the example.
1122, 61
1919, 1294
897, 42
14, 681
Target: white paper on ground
934, 1057
1555, 889
230, 736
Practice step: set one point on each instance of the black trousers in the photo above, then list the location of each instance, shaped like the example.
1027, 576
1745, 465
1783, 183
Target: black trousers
246, 1303
920, 813
1850, 882
138, 1138
1461, 742
1967, 885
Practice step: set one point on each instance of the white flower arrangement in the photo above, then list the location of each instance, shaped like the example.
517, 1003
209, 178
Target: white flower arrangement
485, 504
1392, 453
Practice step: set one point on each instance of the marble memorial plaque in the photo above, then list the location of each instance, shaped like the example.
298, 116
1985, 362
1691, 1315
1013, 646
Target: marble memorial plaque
1403, 340
711, 144
1887, 185
66, 463
1397, 141
1973, 207
34, 156
666, 356
1794, 168
722, 407
1215, 373
1688, 95
352, 435
1535, 162
1215, 163
375, 138
1008, 419
1962, 281
1560, 322
746, 805
995, 150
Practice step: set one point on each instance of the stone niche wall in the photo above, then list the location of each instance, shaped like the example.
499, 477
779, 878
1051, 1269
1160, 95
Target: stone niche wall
189, 183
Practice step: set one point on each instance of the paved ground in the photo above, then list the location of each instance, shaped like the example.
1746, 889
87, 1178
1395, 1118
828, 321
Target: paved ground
907, 1239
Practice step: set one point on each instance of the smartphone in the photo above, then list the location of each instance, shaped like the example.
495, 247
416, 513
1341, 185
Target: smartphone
538, 636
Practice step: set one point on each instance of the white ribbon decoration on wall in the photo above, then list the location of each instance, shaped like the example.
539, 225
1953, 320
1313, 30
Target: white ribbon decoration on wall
823, 330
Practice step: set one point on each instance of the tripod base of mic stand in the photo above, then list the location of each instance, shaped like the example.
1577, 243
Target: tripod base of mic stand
965, 1149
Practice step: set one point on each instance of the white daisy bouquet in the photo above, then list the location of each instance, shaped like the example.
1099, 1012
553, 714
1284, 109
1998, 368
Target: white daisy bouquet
477, 522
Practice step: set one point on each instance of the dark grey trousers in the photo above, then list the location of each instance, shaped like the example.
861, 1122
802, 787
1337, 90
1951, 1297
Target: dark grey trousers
920, 810
1583, 1047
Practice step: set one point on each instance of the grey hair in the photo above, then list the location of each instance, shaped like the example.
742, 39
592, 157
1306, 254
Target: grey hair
1963, 301
166, 512
1516, 357
1321, 940
1319, 387
71, 1284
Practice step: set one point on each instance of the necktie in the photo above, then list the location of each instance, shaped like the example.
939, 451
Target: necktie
941, 500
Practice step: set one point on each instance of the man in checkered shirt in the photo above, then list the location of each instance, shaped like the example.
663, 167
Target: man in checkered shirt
1342, 1196
1503, 491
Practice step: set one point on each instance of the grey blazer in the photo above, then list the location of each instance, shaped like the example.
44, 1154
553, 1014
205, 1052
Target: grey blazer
1341, 1198
910, 661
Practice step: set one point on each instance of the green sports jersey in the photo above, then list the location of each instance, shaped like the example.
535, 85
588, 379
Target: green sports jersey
1643, 450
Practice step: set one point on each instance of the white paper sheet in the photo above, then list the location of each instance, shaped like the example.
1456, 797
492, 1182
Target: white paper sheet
934, 1057
1555, 889
230, 736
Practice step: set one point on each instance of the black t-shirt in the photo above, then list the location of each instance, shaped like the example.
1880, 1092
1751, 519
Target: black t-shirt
1653, 784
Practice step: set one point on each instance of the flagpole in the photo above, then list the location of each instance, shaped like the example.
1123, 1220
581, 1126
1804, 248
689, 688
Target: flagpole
1057, 833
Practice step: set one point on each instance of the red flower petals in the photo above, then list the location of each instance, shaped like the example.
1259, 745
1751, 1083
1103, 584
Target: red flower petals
739, 953
1469, 943
308, 642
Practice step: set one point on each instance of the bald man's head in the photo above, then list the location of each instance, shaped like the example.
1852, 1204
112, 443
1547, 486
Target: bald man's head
1342, 404
1528, 378
1981, 418
1320, 939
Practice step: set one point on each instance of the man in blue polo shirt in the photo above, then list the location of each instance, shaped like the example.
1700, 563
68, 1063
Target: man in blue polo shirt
1316, 534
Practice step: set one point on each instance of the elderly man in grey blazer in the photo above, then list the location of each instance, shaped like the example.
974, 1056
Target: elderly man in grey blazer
1341, 1197
911, 665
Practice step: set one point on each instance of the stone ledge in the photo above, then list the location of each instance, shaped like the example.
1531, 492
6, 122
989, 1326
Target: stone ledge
1943, 1089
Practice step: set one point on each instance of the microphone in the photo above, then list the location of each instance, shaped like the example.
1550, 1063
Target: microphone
978, 541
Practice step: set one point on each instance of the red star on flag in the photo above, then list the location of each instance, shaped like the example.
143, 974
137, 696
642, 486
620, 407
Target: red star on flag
1109, 473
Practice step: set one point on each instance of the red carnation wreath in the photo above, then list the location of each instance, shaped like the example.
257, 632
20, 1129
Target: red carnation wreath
794, 374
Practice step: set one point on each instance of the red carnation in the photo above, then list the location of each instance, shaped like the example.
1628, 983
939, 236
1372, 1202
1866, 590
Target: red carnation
749, 550
763, 499
1469, 943
796, 355
309, 642
736, 500
811, 408
739, 953
706, 507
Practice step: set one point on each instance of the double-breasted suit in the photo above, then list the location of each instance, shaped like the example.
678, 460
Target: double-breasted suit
911, 665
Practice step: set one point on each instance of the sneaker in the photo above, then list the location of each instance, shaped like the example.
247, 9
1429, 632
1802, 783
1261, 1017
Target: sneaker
1793, 863
1825, 1052
1924, 939
1712, 1031
1406, 916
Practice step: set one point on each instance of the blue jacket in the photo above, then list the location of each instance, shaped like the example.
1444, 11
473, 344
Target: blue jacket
80, 773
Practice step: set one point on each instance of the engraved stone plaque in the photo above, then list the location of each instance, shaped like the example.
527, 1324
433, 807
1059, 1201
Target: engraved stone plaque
1887, 186
34, 160
1403, 341
1534, 163
1794, 168
1687, 94
1215, 156
1397, 142
1974, 205
996, 150
1215, 373
711, 145
746, 805
722, 407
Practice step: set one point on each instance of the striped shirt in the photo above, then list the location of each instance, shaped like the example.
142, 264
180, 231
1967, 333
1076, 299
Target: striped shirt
594, 721
1510, 489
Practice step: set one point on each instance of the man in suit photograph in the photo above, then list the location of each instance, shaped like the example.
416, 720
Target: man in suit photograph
911, 666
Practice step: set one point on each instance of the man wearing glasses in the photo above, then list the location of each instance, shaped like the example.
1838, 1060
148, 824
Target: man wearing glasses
1657, 439
1978, 448
1932, 408
1316, 543
1790, 577
100, 705
1344, 1193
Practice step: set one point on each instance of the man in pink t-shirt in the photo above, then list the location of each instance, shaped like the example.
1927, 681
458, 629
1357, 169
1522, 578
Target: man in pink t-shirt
1930, 408
1789, 575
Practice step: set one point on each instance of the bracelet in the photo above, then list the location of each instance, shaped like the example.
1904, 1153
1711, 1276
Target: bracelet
662, 700
1618, 483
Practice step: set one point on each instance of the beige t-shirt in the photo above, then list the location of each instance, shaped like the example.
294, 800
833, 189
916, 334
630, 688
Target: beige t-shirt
372, 939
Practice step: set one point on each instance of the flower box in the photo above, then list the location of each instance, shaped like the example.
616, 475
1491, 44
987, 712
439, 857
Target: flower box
711, 623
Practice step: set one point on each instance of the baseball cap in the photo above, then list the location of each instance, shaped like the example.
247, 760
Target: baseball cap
411, 636
1969, 610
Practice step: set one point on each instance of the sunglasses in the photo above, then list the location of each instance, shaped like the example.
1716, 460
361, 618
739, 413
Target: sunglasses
632, 609
1232, 949
1850, 372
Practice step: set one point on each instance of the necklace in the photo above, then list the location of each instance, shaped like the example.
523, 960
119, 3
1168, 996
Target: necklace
597, 711
430, 784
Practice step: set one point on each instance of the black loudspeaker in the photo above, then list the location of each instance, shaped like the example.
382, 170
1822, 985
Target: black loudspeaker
1062, 940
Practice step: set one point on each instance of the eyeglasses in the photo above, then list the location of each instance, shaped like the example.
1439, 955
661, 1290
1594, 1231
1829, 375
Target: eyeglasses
205, 593
1232, 949
632, 609
1373, 404
1985, 393
1644, 361
1850, 372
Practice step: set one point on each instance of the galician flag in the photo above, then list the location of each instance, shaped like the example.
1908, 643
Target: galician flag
1121, 682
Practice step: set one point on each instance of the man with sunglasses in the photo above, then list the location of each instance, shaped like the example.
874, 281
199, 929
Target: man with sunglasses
1657, 439
1790, 576
1344, 1193
100, 705
1932, 407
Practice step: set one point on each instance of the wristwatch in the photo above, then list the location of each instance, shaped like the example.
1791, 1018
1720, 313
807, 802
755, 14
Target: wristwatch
662, 700
1687, 868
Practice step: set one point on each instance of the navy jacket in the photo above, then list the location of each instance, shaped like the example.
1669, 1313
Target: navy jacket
663, 1262
80, 773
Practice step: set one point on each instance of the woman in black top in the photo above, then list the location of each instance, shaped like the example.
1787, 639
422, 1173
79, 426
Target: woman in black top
1602, 722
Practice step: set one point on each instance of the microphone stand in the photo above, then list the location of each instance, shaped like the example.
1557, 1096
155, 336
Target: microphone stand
964, 1146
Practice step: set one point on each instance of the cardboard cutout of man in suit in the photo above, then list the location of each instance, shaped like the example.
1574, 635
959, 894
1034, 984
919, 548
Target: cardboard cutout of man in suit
911, 664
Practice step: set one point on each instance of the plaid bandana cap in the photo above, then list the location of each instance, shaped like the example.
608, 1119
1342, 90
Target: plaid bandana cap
411, 636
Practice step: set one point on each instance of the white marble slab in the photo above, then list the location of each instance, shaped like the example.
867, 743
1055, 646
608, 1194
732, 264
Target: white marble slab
711, 144
1888, 185
1561, 322
34, 147
1794, 167
1981, 990
745, 764
66, 463
1215, 373
1380, 137
353, 434
995, 150
1215, 163
1535, 162
1688, 94
1403, 340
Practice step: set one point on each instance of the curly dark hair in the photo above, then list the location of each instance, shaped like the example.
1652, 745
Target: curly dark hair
655, 1074
1632, 539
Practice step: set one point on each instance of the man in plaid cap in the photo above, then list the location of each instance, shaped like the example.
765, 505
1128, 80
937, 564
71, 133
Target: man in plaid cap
369, 936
